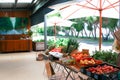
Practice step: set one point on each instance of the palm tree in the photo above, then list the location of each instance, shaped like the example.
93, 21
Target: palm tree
79, 25
111, 24
92, 24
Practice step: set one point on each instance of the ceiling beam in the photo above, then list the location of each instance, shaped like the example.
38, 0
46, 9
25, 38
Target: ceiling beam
38, 5
15, 4
33, 6
30, 5
37, 2
32, 2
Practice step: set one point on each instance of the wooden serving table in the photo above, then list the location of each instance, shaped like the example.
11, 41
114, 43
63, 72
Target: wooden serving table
15, 45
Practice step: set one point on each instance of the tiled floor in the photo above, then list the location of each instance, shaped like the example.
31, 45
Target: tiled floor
21, 66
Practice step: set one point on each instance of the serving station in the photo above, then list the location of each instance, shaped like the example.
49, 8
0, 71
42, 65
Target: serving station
15, 43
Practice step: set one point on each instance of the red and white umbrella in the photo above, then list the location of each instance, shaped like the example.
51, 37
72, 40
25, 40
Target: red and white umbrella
101, 8
58, 21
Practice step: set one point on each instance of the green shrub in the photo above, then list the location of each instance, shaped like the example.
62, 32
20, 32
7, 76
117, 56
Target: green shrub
72, 45
58, 43
68, 45
106, 56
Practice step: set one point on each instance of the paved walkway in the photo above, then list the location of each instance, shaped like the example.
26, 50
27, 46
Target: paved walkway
94, 45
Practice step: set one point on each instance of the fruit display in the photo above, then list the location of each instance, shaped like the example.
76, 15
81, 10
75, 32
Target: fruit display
84, 59
88, 61
104, 69
78, 56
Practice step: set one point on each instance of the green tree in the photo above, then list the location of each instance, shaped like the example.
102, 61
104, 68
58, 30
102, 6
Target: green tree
111, 24
91, 25
5, 24
21, 23
50, 31
53, 30
66, 30
79, 25
40, 30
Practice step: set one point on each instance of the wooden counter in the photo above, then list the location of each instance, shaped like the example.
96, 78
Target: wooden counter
15, 45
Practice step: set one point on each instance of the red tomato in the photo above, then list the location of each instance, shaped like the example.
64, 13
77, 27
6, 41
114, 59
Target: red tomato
56, 50
73, 55
77, 59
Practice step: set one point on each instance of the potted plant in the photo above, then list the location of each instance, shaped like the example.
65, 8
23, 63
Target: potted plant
38, 45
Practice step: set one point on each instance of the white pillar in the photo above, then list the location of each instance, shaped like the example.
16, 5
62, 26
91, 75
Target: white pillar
45, 32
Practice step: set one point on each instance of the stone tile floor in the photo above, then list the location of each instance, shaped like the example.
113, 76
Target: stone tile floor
21, 66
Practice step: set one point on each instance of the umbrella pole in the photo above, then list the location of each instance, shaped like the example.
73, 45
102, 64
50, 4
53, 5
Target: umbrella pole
100, 32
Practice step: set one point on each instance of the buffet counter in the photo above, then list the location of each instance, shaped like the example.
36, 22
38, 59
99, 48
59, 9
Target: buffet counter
15, 45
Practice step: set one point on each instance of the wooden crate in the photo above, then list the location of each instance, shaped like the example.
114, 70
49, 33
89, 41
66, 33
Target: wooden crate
38, 46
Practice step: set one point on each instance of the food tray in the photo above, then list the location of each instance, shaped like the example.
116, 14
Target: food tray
107, 76
52, 58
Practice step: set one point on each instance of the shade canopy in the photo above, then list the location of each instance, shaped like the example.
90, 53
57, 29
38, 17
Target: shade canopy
54, 19
84, 8
58, 22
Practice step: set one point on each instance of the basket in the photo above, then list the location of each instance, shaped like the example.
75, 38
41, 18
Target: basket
107, 76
